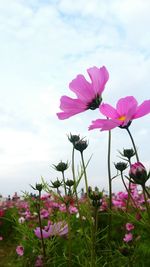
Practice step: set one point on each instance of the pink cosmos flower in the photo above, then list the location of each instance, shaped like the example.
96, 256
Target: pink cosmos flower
39, 261
59, 229
126, 110
1, 238
129, 226
20, 250
88, 94
128, 237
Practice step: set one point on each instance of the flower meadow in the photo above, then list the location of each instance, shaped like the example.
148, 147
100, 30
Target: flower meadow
62, 224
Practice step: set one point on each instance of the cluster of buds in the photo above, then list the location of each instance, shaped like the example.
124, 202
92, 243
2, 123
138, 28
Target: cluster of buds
138, 174
78, 143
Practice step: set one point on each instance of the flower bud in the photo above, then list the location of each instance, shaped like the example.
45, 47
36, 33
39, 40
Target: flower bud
69, 183
128, 153
61, 166
39, 187
138, 173
81, 145
121, 166
73, 138
96, 198
56, 184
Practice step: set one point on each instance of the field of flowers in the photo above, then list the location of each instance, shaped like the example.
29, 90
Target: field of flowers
62, 225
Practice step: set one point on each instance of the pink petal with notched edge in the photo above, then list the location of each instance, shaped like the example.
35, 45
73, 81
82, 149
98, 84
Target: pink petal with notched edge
142, 110
70, 107
104, 124
126, 105
108, 111
99, 77
82, 88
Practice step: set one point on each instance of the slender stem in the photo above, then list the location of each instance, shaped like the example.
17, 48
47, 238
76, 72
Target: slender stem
75, 189
73, 174
85, 175
69, 240
148, 194
63, 176
110, 186
40, 224
129, 193
132, 140
146, 203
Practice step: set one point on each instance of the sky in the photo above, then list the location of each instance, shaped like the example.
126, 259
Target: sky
44, 44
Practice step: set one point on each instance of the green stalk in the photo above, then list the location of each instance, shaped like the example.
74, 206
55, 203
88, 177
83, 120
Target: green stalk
69, 241
85, 175
132, 140
63, 176
75, 189
40, 225
110, 187
129, 194
146, 203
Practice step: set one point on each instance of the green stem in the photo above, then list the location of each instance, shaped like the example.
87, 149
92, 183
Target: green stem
146, 203
69, 241
75, 189
85, 175
132, 140
63, 176
110, 187
129, 193
148, 194
40, 225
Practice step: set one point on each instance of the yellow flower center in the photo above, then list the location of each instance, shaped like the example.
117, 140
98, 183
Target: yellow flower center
122, 118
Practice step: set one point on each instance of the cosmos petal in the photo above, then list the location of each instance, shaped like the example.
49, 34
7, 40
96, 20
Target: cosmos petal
143, 109
99, 77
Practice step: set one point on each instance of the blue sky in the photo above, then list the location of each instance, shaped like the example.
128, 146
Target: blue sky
43, 46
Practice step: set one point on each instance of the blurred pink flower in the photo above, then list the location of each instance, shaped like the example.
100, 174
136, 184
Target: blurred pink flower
44, 213
59, 228
126, 110
20, 250
88, 94
73, 210
128, 237
129, 226
1, 238
39, 261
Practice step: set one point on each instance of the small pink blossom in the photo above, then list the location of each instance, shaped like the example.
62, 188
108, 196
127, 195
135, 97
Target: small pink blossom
88, 94
73, 210
128, 237
126, 111
20, 250
129, 226
39, 261
1, 238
